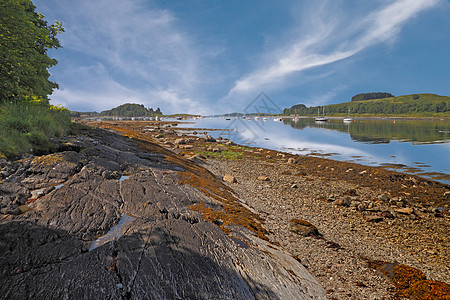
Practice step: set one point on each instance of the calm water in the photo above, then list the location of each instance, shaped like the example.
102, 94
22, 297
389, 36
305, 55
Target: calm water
419, 147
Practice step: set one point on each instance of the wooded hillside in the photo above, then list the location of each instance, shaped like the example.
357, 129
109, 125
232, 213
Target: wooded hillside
408, 105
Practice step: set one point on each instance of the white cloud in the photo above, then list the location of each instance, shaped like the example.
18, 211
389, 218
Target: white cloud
330, 31
126, 49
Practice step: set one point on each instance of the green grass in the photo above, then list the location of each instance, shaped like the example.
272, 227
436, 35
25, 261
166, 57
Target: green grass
27, 127
226, 154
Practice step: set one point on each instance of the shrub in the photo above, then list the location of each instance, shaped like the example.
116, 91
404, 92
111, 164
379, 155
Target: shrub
27, 127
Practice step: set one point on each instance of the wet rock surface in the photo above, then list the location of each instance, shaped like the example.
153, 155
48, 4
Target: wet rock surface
55, 206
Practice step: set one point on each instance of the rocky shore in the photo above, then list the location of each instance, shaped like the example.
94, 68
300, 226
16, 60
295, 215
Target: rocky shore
54, 207
215, 220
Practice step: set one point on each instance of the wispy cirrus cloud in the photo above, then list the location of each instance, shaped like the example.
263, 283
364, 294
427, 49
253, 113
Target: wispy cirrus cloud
129, 50
331, 37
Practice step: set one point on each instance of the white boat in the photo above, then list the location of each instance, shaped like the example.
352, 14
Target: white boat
319, 118
278, 119
348, 119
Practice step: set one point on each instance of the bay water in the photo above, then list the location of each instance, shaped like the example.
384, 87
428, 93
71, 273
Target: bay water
420, 147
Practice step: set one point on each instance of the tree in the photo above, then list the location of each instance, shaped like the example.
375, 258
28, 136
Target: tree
25, 38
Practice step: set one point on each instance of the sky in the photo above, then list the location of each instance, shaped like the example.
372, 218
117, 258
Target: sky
209, 56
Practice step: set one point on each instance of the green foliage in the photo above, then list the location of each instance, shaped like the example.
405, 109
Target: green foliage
227, 154
371, 96
131, 110
408, 105
28, 126
25, 37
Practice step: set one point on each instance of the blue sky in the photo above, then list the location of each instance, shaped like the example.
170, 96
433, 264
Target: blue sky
207, 56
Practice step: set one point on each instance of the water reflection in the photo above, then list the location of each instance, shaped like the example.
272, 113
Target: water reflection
415, 146
114, 233
383, 131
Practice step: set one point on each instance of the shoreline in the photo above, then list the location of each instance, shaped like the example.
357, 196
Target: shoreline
364, 214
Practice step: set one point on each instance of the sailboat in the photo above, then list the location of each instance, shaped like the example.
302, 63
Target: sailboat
348, 119
319, 118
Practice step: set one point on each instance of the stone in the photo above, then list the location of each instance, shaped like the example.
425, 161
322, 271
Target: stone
405, 210
263, 178
362, 207
331, 198
11, 209
229, 178
374, 218
400, 204
387, 214
294, 186
303, 228
37, 193
197, 157
343, 202
180, 141
292, 160
210, 138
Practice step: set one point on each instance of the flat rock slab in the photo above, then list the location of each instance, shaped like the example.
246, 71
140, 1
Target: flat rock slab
168, 251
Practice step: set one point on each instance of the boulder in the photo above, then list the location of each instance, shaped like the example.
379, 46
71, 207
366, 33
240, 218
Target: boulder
303, 228
180, 141
229, 178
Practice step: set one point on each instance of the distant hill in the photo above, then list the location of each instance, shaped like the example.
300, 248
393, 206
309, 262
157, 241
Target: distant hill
371, 96
408, 105
131, 110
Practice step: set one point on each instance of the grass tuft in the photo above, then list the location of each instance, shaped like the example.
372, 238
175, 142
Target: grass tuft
28, 126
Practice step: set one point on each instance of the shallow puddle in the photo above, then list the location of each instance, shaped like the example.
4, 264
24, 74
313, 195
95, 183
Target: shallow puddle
114, 233
123, 178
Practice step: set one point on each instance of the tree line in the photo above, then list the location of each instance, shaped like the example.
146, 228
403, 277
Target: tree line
416, 104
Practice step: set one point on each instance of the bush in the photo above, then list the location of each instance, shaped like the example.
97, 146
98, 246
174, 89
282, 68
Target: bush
27, 127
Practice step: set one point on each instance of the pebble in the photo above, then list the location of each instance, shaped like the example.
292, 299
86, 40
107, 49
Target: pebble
292, 160
405, 211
